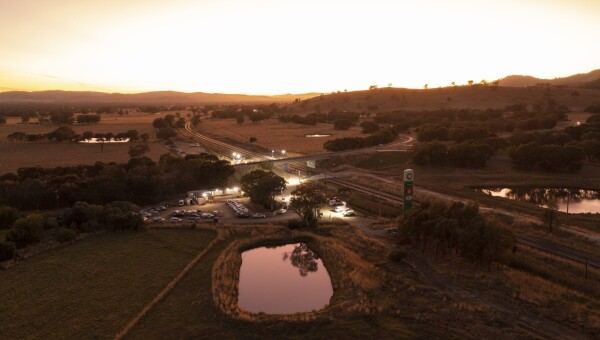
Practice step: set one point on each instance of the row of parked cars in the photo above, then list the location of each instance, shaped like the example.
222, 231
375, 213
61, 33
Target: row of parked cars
152, 211
193, 215
241, 210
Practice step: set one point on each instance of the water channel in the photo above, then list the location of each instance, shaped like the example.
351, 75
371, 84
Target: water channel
577, 200
283, 280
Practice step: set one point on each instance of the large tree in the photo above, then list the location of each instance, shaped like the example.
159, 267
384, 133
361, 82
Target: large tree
262, 186
306, 200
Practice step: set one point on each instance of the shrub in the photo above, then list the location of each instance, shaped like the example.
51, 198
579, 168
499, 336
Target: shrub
65, 235
7, 251
27, 230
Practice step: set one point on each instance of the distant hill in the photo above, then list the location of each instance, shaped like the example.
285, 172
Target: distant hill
459, 97
160, 97
581, 80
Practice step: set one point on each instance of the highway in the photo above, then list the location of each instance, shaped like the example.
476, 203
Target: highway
227, 150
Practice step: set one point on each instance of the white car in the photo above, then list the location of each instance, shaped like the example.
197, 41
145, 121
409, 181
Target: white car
159, 219
175, 219
207, 215
282, 211
349, 212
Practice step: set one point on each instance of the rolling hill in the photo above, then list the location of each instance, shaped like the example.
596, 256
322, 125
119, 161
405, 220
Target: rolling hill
159, 97
581, 80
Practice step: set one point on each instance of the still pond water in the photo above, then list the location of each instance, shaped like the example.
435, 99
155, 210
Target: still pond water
283, 280
578, 200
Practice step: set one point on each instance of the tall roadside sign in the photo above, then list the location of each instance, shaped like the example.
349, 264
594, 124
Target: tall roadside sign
408, 189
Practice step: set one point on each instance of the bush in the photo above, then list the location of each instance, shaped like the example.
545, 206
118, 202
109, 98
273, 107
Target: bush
397, 255
27, 230
65, 235
7, 251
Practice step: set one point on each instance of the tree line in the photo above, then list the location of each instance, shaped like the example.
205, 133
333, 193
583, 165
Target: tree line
141, 181
65, 133
81, 217
456, 228
384, 136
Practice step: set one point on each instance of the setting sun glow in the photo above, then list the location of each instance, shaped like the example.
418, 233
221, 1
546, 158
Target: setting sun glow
283, 46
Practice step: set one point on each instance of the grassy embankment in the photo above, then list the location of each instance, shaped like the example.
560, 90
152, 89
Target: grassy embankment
92, 288
365, 300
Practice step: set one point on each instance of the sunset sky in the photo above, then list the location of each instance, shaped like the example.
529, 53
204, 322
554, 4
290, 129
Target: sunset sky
283, 46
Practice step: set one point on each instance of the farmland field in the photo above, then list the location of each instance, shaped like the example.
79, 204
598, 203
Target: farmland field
92, 288
274, 135
50, 154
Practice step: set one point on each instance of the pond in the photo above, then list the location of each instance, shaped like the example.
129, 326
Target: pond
578, 200
283, 280
316, 135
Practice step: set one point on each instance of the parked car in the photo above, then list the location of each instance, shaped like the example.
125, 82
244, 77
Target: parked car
207, 215
181, 203
175, 219
349, 212
159, 219
282, 211
258, 215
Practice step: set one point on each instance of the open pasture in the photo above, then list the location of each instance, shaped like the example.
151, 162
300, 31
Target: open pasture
274, 135
48, 155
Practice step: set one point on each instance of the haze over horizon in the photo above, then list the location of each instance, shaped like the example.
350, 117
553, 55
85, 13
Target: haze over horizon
275, 47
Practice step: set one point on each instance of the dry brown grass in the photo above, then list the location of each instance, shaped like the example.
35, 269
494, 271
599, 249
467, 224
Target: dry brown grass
108, 123
274, 135
49, 155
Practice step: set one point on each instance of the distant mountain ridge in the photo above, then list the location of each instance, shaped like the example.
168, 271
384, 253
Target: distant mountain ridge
157, 97
590, 80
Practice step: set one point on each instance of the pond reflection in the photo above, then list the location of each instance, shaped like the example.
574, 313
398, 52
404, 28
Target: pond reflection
282, 280
577, 200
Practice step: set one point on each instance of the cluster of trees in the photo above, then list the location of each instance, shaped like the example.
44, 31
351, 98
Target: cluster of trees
87, 119
141, 181
65, 133
464, 154
386, 135
255, 113
557, 151
524, 117
369, 126
262, 187
165, 127
456, 228
82, 217
552, 158
342, 120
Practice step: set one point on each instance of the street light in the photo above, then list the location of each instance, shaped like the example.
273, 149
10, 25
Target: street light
283, 153
272, 153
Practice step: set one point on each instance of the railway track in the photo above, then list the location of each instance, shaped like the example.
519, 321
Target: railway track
545, 246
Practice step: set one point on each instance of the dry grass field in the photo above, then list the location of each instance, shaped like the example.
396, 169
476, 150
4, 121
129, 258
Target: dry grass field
108, 123
274, 135
92, 288
47, 154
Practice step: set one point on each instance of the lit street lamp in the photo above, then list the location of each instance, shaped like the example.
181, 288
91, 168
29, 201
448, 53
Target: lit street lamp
283, 153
